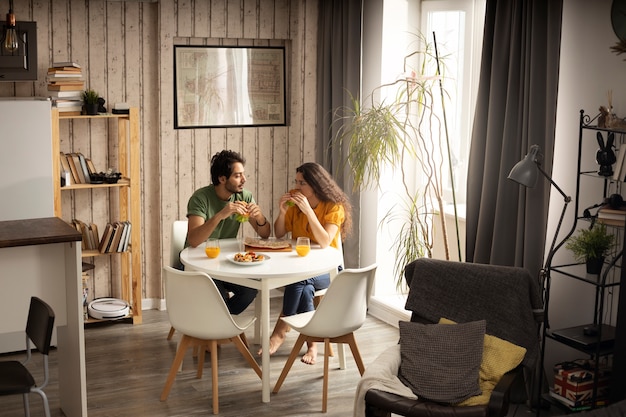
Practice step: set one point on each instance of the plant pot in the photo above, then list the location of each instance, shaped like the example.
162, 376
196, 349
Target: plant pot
90, 109
594, 266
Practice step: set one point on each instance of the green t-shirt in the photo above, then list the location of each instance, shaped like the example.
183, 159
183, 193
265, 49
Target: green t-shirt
205, 203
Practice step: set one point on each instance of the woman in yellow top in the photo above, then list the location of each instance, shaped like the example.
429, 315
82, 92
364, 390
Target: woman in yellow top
319, 209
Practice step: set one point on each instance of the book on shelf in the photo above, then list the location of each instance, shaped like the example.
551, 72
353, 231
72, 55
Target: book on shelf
78, 84
606, 212
89, 233
67, 103
106, 238
91, 167
65, 76
619, 170
118, 229
64, 70
70, 64
75, 164
85, 169
66, 86
65, 166
122, 246
73, 169
66, 95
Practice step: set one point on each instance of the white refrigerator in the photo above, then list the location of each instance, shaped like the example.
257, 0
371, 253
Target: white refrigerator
26, 183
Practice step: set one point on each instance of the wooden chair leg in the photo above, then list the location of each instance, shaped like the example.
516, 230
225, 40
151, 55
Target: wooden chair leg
171, 333
178, 360
355, 353
245, 352
201, 355
325, 384
292, 357
216, 398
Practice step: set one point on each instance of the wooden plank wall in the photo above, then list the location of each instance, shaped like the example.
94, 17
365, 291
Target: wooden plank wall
126, 50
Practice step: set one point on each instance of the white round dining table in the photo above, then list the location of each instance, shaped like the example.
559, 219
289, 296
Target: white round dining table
282, 268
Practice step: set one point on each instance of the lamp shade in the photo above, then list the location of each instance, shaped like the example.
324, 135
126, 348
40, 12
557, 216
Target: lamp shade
525, 171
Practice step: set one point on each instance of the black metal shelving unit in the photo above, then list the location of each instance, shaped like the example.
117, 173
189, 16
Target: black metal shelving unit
601, 344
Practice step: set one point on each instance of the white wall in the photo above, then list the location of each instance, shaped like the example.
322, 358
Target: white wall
588, 70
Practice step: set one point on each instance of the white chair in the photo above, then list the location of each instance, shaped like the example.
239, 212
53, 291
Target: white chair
340, 313
197, 310
177, 243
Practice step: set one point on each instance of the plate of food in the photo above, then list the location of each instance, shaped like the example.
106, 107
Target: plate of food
248, 258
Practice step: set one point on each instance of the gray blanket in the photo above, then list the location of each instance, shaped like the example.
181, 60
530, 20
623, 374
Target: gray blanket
508, 298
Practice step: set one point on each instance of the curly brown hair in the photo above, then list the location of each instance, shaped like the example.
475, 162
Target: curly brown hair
326, 189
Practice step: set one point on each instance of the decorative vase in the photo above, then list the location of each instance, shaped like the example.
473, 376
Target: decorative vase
594, 265
91, 109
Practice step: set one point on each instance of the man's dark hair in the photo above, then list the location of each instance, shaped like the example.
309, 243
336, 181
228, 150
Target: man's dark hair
222, 165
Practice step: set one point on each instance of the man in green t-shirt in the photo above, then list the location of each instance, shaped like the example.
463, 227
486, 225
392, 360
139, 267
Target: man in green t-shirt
216, 210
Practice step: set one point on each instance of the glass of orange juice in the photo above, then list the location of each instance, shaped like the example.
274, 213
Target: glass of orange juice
303, 246
212, 247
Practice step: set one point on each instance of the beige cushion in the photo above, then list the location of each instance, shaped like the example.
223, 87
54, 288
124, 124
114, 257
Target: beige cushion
441, 362
499, 357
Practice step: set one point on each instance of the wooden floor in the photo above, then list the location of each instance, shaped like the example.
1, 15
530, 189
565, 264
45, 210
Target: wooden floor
127, 367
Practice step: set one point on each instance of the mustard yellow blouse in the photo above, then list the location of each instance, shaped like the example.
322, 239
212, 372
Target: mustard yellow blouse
326, 212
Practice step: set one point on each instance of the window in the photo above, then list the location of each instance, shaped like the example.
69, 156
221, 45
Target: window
457, 25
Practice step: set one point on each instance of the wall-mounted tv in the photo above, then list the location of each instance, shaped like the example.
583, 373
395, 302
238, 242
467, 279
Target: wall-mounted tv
20, 65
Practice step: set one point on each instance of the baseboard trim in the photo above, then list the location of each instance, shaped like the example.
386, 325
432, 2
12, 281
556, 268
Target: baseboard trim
387, 313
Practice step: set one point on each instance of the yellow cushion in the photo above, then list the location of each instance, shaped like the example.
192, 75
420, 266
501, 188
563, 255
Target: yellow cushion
499, 357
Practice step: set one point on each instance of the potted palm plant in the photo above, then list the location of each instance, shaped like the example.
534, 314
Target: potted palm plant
591, 246
407, 129
90, 101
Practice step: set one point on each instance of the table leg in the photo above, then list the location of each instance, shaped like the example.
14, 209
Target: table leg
265, 340
257, 323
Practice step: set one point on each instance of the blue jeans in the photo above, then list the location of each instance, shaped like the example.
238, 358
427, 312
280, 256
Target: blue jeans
241, 299
298, 297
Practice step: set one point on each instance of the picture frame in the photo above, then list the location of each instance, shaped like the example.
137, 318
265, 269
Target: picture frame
229, 86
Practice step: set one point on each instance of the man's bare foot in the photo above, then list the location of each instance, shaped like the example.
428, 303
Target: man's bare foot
311, 355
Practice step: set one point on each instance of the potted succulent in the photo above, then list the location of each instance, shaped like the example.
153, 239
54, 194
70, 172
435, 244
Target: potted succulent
591, 246
90, 102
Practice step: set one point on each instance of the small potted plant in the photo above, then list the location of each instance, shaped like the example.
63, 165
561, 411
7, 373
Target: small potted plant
591, 246
90, 102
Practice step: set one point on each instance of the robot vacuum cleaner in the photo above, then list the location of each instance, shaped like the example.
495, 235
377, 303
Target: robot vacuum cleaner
108, 308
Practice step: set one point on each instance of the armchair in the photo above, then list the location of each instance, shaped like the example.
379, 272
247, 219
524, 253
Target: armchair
507, 302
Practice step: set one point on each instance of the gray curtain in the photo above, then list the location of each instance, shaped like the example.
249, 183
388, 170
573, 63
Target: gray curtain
338, 76
516, 108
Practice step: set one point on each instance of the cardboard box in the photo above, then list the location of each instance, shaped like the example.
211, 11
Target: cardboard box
575, 380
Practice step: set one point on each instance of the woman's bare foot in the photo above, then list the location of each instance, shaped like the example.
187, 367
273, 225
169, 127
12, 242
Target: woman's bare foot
277, 338
311, 354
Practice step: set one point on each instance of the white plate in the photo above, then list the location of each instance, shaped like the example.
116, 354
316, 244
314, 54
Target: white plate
231, 258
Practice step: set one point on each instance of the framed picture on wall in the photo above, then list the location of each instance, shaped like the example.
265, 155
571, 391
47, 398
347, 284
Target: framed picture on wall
228, 86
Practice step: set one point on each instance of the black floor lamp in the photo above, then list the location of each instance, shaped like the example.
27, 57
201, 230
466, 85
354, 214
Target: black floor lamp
525, 173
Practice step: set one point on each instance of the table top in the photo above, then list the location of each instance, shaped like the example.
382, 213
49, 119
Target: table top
39, 231
280, 265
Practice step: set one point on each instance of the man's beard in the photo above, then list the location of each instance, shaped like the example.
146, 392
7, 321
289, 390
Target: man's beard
231, 188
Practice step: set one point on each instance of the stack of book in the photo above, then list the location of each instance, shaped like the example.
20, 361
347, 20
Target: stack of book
116, 237
89, 231
65, 87
80, 168
612, 216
